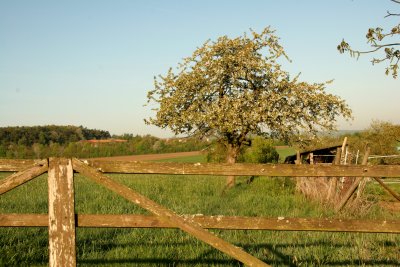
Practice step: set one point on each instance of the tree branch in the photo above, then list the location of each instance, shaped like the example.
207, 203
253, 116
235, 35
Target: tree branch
385, 45
391, 14
374, 50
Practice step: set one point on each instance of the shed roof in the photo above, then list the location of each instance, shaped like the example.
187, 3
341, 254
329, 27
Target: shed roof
317, 151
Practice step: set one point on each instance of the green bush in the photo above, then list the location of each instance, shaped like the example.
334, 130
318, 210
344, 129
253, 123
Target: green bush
261, 151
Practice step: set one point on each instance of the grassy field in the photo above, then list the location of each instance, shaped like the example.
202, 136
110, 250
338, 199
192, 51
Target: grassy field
285, 151
196, 195
189, 159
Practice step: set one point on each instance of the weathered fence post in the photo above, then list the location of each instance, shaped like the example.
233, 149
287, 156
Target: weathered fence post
333, 181
354, 186
62, 251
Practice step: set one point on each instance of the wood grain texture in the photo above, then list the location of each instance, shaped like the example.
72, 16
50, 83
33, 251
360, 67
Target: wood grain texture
23, 176
13, 165
61, 219
213, 222
353, 187
301, 170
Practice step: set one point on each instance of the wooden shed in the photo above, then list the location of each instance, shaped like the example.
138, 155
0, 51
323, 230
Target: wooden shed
320, 155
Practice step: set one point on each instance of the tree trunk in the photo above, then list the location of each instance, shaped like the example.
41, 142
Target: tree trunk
231, 157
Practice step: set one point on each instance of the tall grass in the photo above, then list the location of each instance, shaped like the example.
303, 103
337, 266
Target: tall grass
171, 247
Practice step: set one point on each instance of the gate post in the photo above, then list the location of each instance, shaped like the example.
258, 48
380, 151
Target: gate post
62, 247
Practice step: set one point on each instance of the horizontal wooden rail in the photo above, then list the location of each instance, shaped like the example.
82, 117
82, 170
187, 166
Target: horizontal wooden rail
304, 170
13, 165
213, 222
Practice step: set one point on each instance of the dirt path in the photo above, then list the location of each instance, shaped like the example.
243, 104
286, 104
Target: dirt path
153, 156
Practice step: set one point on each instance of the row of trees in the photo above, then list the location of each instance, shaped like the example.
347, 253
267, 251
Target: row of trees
46, 135
135, 145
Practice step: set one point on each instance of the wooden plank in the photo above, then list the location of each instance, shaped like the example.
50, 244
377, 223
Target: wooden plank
213, 222
303, 170
333, 181
62, 251
13, 165
354, 186
22, 177
110, 166
298, 158
167, 215
24, 220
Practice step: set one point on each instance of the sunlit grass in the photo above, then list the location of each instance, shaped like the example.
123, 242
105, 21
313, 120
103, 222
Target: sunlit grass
193, 195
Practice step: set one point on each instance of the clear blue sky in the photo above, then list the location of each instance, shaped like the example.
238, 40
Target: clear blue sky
91, 63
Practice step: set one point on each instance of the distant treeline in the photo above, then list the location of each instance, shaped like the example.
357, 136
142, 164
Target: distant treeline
69, 141
46, 135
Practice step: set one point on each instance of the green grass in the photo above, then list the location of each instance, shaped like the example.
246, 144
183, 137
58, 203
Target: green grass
188, 159
193, 195
377, 193
284, 152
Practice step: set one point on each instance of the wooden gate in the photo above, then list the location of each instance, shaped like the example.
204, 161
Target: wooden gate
62, 220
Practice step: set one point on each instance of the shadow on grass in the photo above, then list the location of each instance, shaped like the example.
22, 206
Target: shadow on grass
245, 246
221, 262
210, 257
272, 253
160, 262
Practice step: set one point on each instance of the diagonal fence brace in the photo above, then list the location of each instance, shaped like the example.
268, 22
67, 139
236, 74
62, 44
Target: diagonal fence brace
167, 215
23, 176
392, 192
347, 195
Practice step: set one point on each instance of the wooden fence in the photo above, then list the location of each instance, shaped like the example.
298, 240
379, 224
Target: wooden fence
62, 220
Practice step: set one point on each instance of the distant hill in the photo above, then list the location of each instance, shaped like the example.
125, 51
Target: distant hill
341, 132
45, 135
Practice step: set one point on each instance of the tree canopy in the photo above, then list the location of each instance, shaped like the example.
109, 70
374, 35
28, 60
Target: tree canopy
234, 87
382, 137
380, 40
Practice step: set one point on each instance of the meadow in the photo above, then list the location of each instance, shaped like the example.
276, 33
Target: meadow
197, 195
